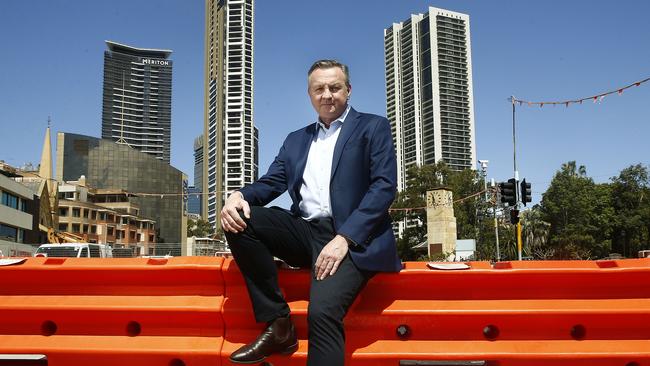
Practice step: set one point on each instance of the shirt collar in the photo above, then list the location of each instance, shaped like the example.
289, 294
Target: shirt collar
341, 118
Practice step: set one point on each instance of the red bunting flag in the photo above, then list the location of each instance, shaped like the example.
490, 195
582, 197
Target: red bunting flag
596, 98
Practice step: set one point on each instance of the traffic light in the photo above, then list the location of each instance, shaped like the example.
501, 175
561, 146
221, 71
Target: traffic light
509, 191
525, 191
514, 216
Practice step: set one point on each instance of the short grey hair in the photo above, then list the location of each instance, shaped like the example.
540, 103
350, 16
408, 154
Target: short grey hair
326, 64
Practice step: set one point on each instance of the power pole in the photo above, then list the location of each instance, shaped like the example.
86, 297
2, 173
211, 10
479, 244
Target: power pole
496, 223
514, 161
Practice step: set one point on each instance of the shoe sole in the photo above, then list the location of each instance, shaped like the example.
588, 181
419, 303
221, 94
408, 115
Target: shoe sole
289, 350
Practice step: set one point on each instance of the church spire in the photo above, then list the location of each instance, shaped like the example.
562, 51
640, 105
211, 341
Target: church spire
45, 169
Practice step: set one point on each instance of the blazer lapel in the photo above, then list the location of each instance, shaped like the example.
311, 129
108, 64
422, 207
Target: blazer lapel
301, 157
350, 124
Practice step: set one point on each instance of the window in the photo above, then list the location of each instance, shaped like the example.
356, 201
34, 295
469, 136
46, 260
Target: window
85, 230
94, 251
10, 200
66, 195
86, 213
63, 211
63, 227
109, 231
93, 215
76, 212
8, 233
23, 205
76, 228
93, 229
84, 253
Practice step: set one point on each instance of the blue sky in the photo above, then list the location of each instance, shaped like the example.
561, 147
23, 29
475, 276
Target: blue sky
51, 64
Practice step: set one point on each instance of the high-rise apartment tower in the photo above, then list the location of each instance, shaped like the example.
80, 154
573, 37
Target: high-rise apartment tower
229, 150
138, 98
429, 98
198, 174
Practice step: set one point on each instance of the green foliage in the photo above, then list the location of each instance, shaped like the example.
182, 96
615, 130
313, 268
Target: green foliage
630, 193
428, 177
199, 228
410, 238
535, 234
589, 220
576, 219
437, 257
580, 214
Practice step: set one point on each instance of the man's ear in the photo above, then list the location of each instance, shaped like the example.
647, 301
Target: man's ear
349, 91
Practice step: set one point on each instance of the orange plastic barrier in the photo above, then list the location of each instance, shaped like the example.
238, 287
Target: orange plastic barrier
121, 311
196, 311
515, 314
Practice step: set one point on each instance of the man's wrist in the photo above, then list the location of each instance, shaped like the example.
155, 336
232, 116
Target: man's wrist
351, 243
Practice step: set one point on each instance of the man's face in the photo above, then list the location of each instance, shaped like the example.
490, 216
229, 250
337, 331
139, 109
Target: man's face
328, 93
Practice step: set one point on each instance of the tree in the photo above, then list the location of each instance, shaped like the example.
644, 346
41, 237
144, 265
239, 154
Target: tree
535, 233
428, 177
631, 202
579, 212
200, 228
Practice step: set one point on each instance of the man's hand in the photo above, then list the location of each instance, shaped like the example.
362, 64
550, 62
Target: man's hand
330, 257
230, 219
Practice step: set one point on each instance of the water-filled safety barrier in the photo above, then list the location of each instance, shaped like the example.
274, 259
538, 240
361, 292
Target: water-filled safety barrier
196, 311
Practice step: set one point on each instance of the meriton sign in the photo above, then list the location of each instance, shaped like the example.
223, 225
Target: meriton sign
148, 61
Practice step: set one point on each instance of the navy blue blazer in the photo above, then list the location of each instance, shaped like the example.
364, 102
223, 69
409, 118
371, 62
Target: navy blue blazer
362, 185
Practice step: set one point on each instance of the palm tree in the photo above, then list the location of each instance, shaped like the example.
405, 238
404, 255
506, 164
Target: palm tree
536, 232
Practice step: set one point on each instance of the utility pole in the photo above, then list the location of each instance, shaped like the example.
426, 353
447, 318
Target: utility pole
496, 223
514, 161
484, 166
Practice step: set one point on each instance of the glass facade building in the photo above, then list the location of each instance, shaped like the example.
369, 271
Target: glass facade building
137, 98
197, 208
429, 97
155, 185
193, 200
230, 148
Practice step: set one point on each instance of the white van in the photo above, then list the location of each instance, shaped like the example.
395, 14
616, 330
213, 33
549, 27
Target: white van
74, 250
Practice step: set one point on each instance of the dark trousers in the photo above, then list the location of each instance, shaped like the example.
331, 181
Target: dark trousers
275, 232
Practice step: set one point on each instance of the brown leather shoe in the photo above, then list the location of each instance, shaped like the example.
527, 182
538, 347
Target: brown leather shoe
278, 337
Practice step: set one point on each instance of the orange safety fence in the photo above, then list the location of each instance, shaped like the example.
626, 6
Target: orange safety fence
196, 311
119, 311
513, 314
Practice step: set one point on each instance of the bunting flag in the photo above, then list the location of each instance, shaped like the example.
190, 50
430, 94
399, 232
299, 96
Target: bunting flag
598, 98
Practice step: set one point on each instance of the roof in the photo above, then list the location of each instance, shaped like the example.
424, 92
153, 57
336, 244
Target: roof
150, 52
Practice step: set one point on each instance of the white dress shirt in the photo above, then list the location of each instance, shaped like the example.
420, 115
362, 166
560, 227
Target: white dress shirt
315, 189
